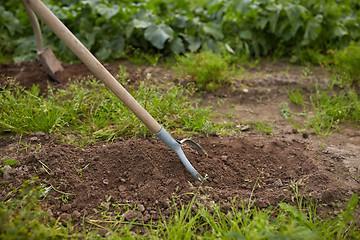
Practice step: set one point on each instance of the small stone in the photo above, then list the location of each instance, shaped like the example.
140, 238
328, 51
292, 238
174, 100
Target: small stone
75, 214
132, 214
39, 134
245, 128
122, 180
6, 172
65, 207
224, 157
141, 208
246, 90
106, 182
278, 183
122, 188
147, 217
50, 213
34, 139
65, 217
305, 135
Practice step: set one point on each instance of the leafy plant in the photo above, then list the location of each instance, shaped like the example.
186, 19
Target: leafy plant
107, 27
285, 110
209, 71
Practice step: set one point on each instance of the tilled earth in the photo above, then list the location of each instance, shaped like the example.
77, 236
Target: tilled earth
146, 173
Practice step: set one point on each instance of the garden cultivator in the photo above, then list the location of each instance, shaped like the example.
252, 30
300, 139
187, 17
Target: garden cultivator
105, 76
46, 55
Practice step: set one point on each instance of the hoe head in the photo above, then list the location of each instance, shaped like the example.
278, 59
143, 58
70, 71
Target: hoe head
50, 63
164, 136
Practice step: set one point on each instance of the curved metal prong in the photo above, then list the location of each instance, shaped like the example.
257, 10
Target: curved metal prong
195, 145
164, 136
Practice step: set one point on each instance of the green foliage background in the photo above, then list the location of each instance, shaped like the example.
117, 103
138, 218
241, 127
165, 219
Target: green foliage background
111, 28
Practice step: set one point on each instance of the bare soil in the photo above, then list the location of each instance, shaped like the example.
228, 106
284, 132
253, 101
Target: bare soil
147, 173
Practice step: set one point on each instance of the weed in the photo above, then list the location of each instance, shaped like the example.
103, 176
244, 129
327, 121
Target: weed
22, 218
263, 127
330, 110
210, 71
285, 110
307, 73
347, 64
80, 171
296, 97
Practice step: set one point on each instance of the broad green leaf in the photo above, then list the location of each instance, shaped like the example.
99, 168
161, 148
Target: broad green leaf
107, 12
293, 13
246, 34
313, 29
194, 43
177, 45
141, 23
242, 6
158, 34
9, 21
213, 30
91, 2
118, 46
262, 23
129, 29
340, 31
10, 162
273, 20
179, 21
104, 51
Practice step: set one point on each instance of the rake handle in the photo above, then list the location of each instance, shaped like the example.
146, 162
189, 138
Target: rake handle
92, 63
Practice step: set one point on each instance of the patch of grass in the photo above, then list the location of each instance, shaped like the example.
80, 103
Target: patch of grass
296, 97
328, 107
263, 127
88, 111
347, 64
332, 109
22, 218
210, 71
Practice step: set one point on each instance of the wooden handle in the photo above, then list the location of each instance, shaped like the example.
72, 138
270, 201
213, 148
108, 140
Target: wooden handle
36, 27
92, 63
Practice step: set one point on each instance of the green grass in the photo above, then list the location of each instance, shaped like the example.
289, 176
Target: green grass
333, 109
263, 127
21, 217
325, 109
347, 65
209, 71
87, 111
